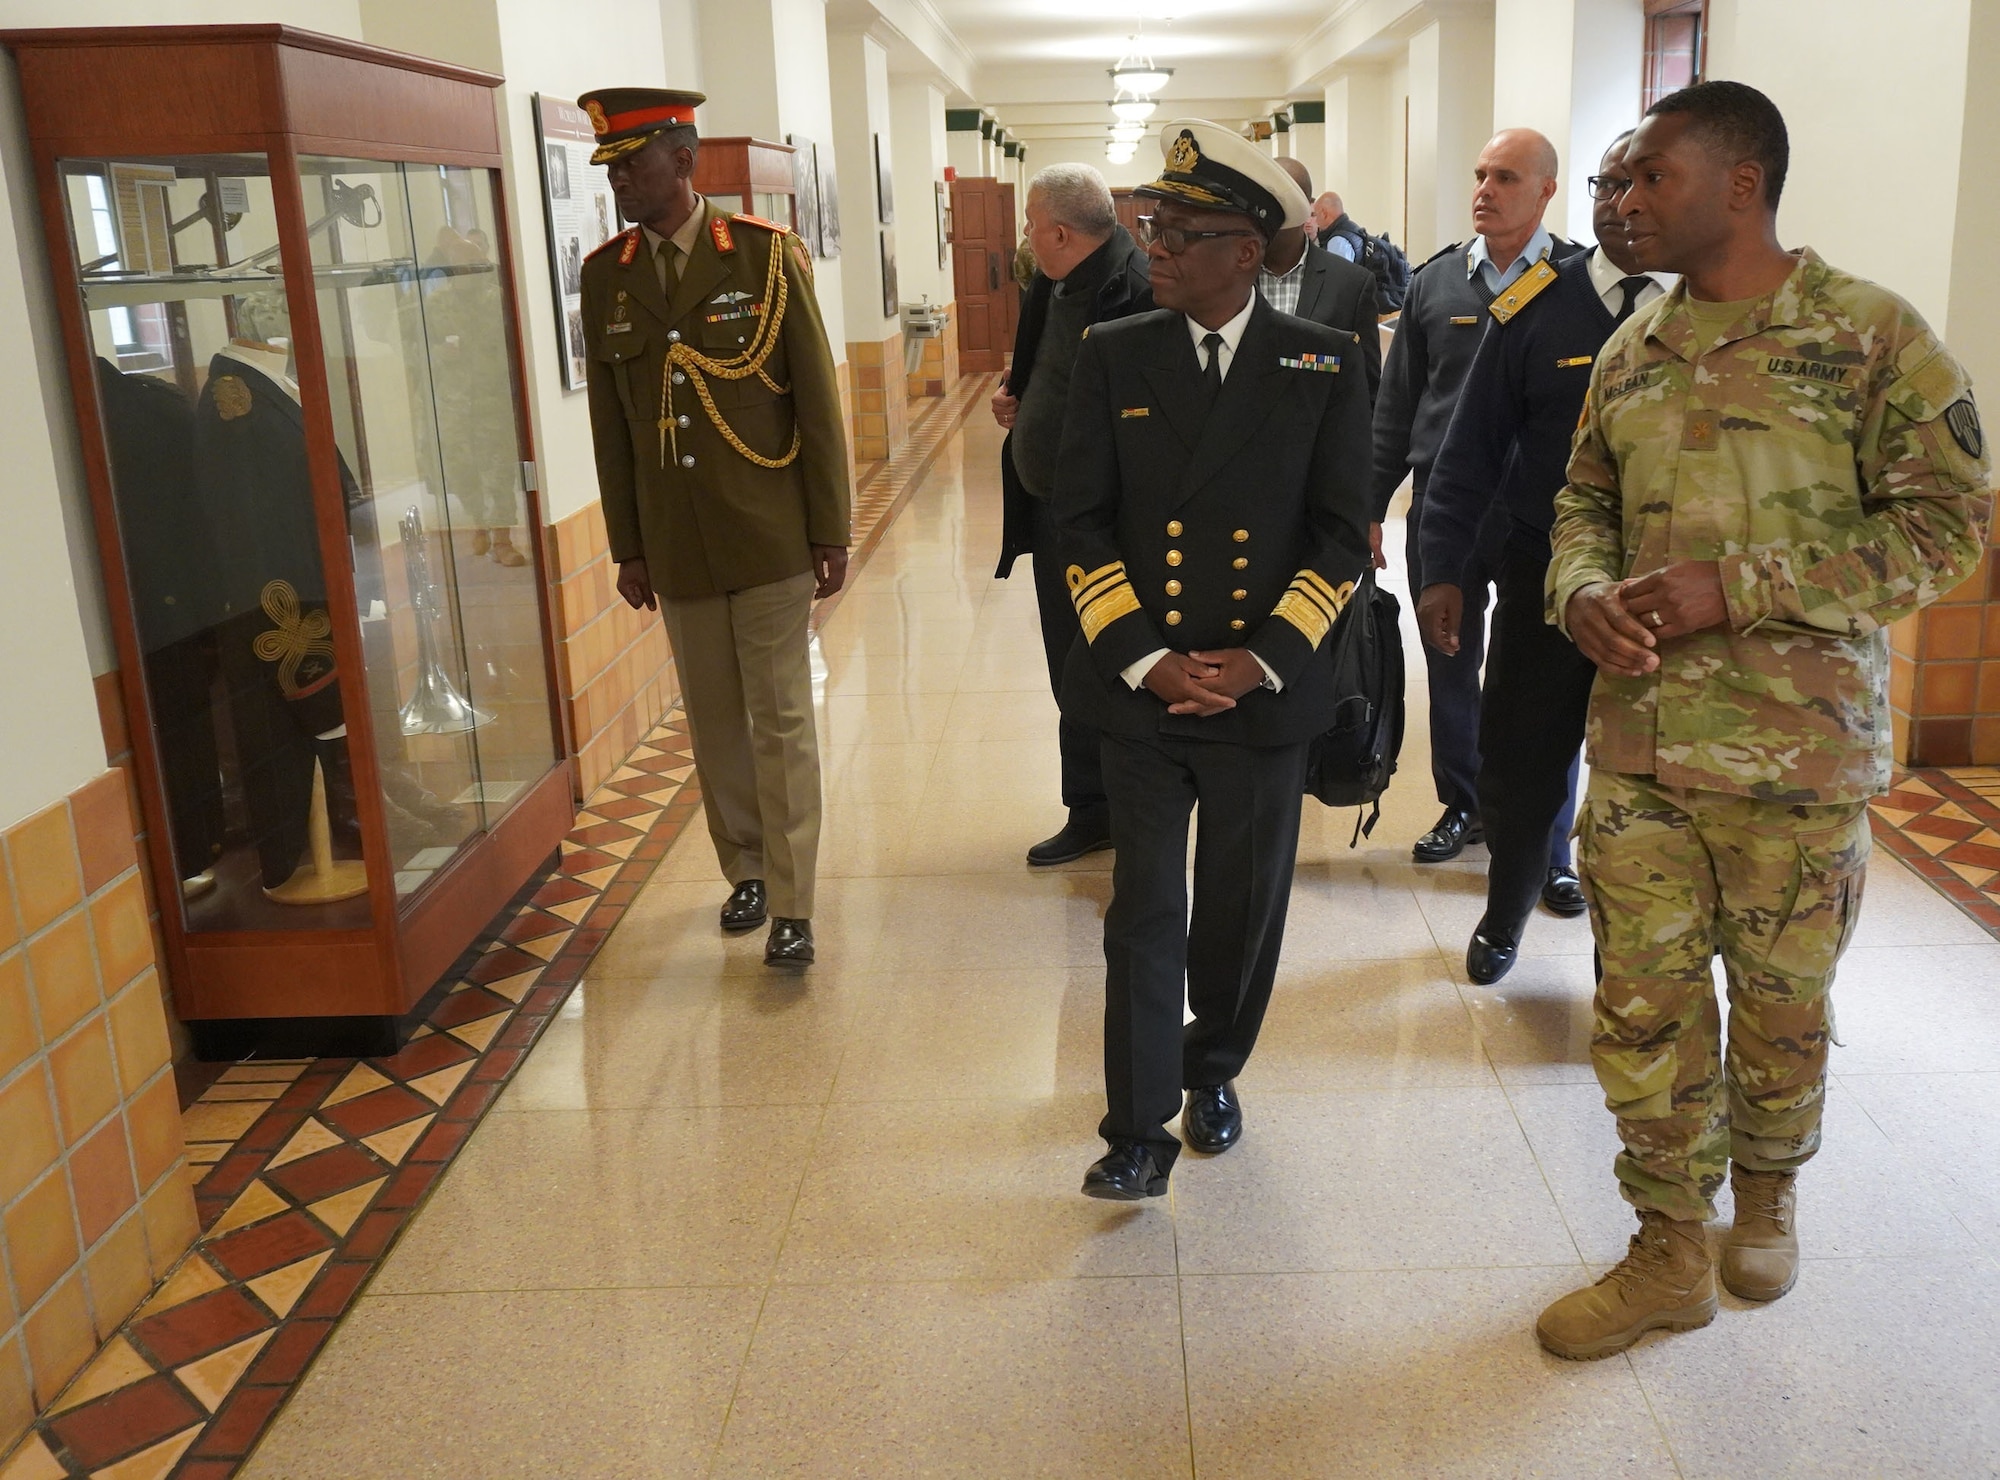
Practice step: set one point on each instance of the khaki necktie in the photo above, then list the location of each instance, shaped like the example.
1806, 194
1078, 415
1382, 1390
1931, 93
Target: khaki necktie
666, 260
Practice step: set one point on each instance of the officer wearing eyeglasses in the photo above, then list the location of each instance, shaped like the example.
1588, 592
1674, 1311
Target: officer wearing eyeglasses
1210, 507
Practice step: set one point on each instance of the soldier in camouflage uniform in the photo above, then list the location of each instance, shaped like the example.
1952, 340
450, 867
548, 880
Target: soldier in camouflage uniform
1775, 461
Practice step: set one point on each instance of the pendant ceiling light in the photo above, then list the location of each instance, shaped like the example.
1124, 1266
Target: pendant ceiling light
1135, 73
1133, 110
1127, 133
1118, 153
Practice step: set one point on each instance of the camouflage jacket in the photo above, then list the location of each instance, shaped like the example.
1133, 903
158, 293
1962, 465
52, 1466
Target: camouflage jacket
1826, 453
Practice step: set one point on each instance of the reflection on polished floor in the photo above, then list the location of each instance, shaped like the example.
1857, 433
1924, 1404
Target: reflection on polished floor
734, 1225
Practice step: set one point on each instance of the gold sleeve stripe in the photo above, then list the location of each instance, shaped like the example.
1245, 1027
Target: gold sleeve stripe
1312, 605
1077, 581
1083, 596
1121, 600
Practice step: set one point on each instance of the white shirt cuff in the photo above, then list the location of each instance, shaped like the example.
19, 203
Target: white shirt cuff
1135, 673
1277, 683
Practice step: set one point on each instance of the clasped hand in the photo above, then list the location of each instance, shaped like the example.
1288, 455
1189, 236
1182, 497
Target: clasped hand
1204, 682
1619, 625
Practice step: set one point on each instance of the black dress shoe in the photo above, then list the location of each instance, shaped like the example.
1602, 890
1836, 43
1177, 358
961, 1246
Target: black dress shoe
1563, 893
1128, 1174
1085, 832
1213, 1119
1448, 839
1491, 954
790, 945
746, 906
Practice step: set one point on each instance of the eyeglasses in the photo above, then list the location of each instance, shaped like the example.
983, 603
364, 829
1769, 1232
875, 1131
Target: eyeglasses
1174, 238
1608, 187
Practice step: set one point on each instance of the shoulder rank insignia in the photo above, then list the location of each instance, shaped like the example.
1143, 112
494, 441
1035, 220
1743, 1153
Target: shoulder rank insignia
629, 240
749, 220
1523, 292
1325, 364
1440, 252
718, 231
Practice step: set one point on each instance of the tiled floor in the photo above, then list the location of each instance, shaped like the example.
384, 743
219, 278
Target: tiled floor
723, 1223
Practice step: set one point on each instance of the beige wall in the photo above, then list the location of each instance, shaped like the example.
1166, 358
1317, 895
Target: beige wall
1570, 68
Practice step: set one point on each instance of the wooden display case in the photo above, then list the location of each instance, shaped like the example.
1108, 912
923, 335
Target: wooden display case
749, 175
285, 283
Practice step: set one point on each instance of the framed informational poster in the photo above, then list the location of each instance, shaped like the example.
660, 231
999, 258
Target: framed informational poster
805, 188
582, 214
885, 186
829, 207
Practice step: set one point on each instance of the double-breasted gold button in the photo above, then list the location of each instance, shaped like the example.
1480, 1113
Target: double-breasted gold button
1236, 624
1240, 563
1238, 595
1173, 588
1173, 529
1173, 557
1173, 619
1240, 536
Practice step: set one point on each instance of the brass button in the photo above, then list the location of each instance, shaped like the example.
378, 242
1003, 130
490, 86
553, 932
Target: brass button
1173, 529
1173, 557
687, 459
1240, 563
1238, 595
1173, 588
1173, 619
1236, 624
1240, 536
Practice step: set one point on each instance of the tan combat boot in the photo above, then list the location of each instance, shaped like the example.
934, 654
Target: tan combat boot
1665, 1280
1760, 1254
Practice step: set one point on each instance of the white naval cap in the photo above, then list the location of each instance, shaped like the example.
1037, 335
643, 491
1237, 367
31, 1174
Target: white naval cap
1218, 169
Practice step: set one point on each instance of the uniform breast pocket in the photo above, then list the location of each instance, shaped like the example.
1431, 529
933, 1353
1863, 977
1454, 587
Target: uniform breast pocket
727, 338
618, 356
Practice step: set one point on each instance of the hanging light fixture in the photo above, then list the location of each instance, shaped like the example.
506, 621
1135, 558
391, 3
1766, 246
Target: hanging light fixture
1118, 153
1135, 73
1133, 110
1127, 133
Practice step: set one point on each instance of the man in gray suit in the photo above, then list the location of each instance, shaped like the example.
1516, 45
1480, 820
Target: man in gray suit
1301, 278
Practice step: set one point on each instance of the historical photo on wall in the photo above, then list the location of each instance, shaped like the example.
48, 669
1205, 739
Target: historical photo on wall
885, 186
829, 207
944, 225
805, 185
890, 303
582, 214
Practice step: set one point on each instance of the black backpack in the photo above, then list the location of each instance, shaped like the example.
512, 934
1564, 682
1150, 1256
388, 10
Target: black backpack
1350, 763
1383, 258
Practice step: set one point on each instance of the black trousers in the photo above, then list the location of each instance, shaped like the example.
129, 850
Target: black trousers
1222, 959
1082, 770
1537, 693
1454, 678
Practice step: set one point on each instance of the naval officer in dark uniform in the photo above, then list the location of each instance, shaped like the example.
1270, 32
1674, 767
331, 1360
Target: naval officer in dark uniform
722, 466
1508, 445
1211, 506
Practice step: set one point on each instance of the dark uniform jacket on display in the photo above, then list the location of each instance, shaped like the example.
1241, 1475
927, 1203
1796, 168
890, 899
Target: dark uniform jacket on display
1435, 340
1243, 526
1126, 289
1509, 439
1340, 295
721, 454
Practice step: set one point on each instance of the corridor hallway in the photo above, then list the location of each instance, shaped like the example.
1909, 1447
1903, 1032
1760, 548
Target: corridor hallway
730, 1223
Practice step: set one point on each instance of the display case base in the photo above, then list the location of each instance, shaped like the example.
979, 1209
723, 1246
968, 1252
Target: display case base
232, 1040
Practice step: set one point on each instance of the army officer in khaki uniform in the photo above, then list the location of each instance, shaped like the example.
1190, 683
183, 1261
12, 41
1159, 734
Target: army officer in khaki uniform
722, 464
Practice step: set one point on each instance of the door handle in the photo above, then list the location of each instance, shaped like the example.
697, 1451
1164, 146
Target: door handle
993, 271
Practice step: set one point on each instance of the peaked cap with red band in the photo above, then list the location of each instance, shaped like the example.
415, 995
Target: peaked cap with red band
626, 118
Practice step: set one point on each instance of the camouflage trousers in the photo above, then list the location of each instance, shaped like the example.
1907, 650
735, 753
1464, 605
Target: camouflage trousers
1676, 876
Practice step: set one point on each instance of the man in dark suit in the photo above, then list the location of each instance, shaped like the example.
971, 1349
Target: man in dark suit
1303, 279
1514, 179
1088, 270
1211, 503
1508, 445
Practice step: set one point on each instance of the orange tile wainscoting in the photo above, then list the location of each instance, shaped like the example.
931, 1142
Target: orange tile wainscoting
881, 419
94, 1196
1944, 677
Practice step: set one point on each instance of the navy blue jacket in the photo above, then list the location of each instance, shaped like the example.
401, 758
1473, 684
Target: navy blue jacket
1509, 437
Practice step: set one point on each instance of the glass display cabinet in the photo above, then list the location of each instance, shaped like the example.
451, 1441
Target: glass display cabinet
282, 266
749, 175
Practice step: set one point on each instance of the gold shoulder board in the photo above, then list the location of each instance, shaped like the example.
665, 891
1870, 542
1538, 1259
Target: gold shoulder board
1523, 292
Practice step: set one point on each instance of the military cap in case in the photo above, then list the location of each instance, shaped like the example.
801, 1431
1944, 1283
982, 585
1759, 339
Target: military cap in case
1217, 169
626, 118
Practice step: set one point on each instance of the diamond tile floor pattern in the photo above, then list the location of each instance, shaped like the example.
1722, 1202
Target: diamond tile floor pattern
690, 1219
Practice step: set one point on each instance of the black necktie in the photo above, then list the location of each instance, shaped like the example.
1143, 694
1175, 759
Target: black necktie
1631, 287
1211, 374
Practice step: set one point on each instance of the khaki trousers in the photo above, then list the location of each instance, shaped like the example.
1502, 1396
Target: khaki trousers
747, 678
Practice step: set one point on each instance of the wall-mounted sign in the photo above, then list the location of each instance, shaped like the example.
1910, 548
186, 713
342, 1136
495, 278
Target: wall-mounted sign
582, 214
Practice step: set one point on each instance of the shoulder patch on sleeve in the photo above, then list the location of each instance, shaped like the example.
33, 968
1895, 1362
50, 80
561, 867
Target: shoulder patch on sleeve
1523, 292
1924, 390
718, 231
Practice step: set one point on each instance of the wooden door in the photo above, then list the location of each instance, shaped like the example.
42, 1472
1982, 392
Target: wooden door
982, 256
1130, 208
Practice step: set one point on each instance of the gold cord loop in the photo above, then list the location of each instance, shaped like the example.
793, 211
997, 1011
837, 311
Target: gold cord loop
698, 367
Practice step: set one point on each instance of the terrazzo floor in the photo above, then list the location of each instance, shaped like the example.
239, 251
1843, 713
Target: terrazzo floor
728, 1223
